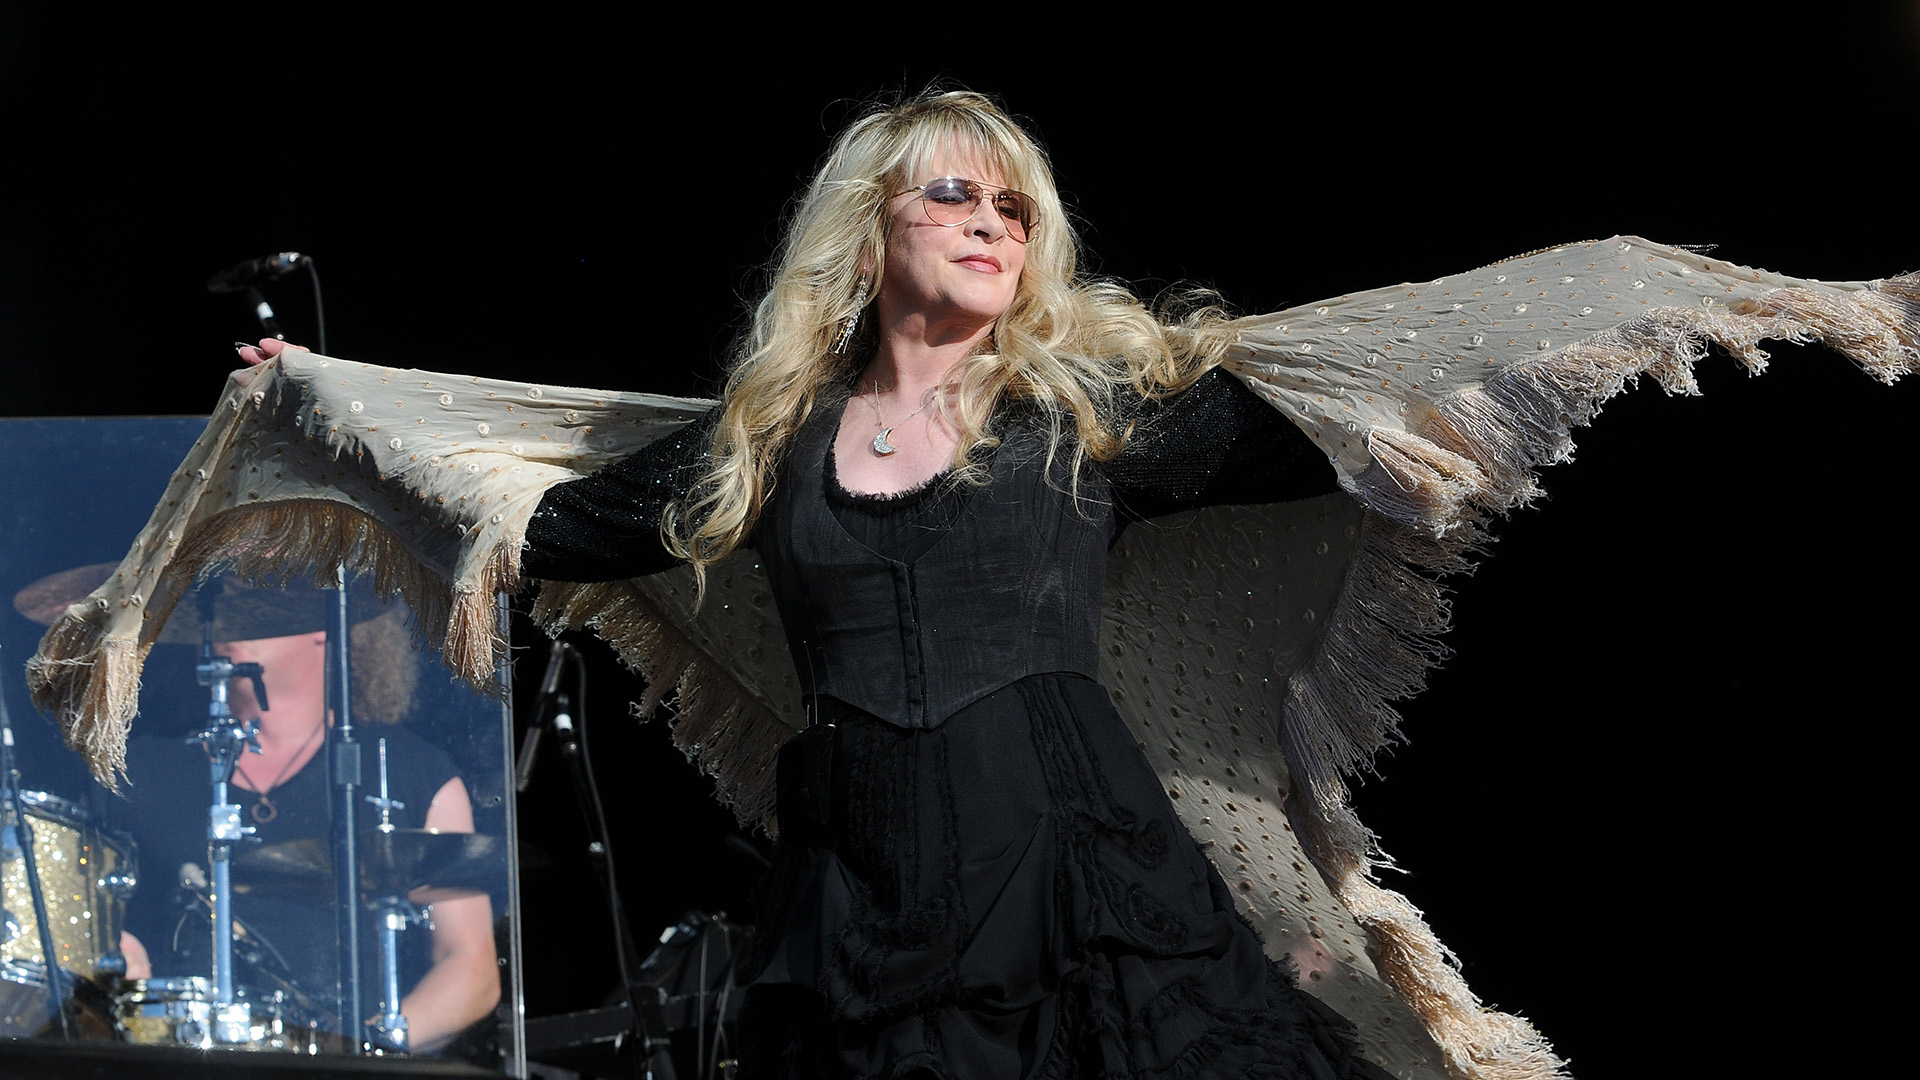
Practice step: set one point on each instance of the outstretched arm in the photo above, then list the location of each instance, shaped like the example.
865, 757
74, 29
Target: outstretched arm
606, 526
1214, 444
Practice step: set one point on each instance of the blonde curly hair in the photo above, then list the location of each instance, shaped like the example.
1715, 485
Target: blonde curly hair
1064, 345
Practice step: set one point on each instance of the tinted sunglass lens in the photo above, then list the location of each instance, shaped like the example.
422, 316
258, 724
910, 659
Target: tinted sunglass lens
1017, 209
950, 202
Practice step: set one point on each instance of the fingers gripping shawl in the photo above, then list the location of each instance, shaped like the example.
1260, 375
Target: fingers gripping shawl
1254, 651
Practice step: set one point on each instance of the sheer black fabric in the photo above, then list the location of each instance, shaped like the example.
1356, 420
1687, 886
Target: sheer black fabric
606, 526
1213, 444
1004, 891
1010, 895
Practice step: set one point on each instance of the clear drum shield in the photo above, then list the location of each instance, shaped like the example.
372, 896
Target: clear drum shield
204, 905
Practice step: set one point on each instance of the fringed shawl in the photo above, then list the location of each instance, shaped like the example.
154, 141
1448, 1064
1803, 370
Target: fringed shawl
1255, 651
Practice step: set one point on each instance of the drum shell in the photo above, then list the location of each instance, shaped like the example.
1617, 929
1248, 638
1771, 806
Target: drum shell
181, 1012
86, 874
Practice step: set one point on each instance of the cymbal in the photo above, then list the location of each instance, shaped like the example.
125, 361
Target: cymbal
241, 612
46, 600
425, 865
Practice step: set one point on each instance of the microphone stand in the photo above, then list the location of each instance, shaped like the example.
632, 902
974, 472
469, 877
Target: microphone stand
645, 1050
14, 810
343, 771
224, 739
395, 914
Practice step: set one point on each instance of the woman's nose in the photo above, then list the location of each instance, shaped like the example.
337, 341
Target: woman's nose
987, 222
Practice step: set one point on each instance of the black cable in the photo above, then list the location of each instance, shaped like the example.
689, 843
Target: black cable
622, 937
319, 310
700, 1024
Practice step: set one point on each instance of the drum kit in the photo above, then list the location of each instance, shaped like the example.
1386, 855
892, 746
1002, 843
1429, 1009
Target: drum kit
65, 881
85, 876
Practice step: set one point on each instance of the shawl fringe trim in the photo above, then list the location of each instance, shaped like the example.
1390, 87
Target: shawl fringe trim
91, 684
90, 679
1475, 456
1382, 639
1430, 492
1477, 1042
717, 723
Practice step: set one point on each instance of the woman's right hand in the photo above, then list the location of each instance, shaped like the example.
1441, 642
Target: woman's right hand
267, 350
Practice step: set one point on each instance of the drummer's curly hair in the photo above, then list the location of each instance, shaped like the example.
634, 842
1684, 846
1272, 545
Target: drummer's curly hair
386, 668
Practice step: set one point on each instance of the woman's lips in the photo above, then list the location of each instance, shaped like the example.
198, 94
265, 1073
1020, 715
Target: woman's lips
983, 263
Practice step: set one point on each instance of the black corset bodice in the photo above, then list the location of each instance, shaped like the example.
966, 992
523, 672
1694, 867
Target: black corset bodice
1010, 588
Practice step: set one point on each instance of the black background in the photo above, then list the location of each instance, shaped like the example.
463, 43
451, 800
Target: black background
1650, 798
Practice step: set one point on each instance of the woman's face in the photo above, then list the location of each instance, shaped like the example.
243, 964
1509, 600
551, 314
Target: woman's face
949, 283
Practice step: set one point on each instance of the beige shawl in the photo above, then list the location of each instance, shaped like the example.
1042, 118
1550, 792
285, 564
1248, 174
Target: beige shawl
1254, 650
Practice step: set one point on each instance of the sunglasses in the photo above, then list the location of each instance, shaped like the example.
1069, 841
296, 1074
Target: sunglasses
951, 201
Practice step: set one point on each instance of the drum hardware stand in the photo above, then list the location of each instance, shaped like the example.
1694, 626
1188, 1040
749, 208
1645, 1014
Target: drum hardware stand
224, 738
343, 775
13, 812
395, 913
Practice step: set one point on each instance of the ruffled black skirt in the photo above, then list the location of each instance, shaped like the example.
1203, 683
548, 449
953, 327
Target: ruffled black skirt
1009, 895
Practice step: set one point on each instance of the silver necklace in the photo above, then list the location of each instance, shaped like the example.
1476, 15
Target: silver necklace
263, 809
880, 444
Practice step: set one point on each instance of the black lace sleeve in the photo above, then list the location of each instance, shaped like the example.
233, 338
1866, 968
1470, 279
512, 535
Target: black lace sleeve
606, 526
1214, 444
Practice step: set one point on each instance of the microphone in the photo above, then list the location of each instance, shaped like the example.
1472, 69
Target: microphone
245, 275
549, 689
550, 692
556, 663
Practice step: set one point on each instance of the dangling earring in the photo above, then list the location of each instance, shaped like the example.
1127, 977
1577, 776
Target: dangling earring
853, 320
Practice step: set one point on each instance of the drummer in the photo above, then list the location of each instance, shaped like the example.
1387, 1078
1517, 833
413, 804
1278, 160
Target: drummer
287, 939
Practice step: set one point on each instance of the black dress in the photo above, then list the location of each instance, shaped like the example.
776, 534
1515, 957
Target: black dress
990, 881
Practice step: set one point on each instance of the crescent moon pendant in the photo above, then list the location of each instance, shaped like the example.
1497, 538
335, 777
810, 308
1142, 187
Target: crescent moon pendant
880, 444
